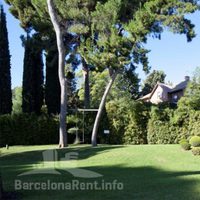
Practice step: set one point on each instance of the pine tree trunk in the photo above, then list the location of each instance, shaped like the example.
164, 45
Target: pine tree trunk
100, 110
86, 85
61, 73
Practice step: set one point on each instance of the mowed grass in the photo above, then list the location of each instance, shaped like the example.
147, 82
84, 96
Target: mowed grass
150, 172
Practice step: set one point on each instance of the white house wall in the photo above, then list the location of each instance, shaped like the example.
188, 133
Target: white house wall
160, 95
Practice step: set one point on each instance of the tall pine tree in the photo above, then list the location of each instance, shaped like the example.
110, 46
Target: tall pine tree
32, 92
5, 77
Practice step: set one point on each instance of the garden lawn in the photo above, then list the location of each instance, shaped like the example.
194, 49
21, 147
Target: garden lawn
150, 172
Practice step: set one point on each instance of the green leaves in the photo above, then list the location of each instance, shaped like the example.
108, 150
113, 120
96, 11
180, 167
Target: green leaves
106, 15
156, 14
151, 80
78, 28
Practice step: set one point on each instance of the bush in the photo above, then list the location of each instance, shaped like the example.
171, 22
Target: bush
28, 129
168, 126
194, 123
160, 129
127, 121
196, 151
195, 141
134, 134
185, 144
183, 140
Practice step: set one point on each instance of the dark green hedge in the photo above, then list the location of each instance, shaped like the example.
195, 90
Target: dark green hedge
129, 123
169, 126
28, 129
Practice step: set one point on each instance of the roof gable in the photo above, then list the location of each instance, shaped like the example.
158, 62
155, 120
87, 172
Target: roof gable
167, 88
162, 85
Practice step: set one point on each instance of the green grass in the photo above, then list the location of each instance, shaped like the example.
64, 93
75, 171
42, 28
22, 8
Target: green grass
150, 172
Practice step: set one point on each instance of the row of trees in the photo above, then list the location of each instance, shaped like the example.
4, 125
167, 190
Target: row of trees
34, 94
129, 121
107, 35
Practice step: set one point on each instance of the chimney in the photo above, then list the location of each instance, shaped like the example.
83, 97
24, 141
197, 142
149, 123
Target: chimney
187, 78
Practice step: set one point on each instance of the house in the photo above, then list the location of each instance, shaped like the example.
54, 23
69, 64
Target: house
165, 93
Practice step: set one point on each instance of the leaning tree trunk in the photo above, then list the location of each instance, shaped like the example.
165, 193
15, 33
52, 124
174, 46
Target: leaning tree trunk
61, 73
86, 84
100, 110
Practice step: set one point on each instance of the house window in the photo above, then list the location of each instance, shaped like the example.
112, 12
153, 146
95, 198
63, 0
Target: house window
175, 97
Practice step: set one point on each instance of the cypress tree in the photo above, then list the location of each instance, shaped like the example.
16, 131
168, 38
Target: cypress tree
52, 85
5, 76
32, 92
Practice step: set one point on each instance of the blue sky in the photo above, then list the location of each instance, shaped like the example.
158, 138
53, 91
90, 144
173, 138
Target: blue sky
172, 54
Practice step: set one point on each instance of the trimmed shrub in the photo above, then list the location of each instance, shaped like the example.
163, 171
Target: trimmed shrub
162, 133
28, 129
168, 126
116, 120
160, 129
195, 141
183, 140
196, 151
194, 123
185, 144
134, 134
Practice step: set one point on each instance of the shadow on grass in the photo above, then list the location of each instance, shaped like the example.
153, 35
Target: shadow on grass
32, 157
139, 183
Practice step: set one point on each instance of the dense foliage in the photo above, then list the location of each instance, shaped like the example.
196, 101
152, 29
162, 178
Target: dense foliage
52, 85
27, 129
160, 128
5, 76
32, 92
129, 122
134, 122
17, 100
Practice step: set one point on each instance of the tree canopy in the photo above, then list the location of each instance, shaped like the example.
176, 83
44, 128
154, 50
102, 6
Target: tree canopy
151, 80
